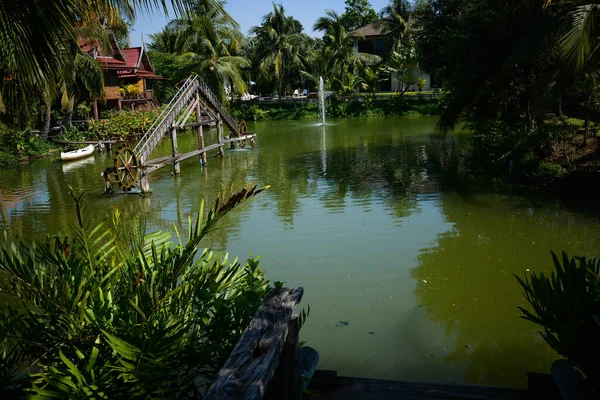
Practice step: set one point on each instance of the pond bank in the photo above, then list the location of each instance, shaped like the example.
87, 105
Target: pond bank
336, 108
408, 257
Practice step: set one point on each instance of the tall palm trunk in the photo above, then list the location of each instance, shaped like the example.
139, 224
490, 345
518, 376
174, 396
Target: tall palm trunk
586, 129
281, 90
47, 117
69, 115
281, 93
342, 71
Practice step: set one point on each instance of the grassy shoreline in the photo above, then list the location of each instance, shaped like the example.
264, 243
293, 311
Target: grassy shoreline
336, 108
33, 150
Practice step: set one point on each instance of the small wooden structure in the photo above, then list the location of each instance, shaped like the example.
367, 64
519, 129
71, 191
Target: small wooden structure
266, 361
193, 98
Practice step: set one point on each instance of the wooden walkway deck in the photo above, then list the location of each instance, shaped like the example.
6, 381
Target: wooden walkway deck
374, 389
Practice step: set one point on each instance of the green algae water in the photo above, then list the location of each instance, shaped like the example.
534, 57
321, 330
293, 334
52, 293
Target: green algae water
407, 265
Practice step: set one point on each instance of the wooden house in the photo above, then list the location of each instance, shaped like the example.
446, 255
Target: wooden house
122, 67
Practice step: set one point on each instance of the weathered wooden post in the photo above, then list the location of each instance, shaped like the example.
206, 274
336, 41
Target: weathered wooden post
220, 137
269, 344
176, 166
287, 381
200, 131
144, 183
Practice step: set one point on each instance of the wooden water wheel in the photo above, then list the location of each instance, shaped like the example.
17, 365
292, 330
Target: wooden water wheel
242, 130
126, 168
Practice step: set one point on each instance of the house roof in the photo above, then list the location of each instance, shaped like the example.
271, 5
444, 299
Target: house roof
378, 28
139, 74
132, 56
111, 63
138, 64
132, 62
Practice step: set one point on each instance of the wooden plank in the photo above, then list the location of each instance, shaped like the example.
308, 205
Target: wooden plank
157, 160
158, 163
374, 389
252, 363
199, 151
203, 122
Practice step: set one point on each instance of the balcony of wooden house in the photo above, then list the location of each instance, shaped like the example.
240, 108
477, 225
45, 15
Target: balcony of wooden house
144, 98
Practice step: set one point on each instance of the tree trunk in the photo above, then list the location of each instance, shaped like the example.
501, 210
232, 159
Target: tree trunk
47, 117
530, 117
281, 93
69, 115
560, 109
586, 129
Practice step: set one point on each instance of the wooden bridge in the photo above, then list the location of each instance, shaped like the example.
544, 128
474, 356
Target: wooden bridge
194, 97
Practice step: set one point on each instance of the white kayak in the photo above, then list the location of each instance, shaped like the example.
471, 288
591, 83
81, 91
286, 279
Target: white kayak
77, 154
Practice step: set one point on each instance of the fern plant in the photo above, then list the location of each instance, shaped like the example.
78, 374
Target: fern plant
567, 305
108, 313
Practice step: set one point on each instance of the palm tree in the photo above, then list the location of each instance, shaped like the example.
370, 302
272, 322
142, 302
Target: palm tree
348, 85
317, 65
343, 43
208, 37
397, 22
165, 41
279, 39
35, 33
580, 47
371, 78
85, 75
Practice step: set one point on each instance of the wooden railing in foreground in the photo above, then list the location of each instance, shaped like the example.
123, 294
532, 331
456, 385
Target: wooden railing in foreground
265, 363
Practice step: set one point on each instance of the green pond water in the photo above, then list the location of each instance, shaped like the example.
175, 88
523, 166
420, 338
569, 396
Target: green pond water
407, 267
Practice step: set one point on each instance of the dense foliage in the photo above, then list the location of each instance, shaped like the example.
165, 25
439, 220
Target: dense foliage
394, 105
513, 85
109, 312
21, 145
566, 305
358, 13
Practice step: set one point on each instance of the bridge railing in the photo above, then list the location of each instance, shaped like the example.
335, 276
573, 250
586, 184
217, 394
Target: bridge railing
160, 120
216, 104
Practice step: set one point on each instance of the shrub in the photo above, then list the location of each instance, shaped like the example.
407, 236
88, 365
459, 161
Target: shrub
111, 313
256, 113
130, 91
567, 305
122, 125
82, 111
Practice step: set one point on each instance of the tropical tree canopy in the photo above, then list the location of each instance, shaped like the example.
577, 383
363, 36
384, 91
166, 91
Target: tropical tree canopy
343, 43
358, 13
278, 43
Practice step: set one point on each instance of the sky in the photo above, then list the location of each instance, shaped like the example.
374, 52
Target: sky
249, 13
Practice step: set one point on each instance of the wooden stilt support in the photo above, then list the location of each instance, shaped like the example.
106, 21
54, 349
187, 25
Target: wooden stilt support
176, 166
95, 107
200, 132
120, 105
220, 137
144, 183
